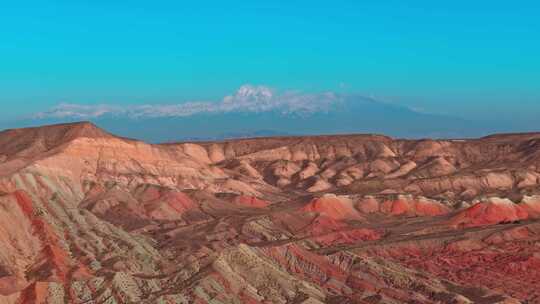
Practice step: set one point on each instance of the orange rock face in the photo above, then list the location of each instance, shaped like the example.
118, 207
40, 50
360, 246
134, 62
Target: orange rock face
88, 217
331, 206
495, 211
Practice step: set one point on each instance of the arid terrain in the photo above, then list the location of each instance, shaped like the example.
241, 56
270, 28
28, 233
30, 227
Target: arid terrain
88, 217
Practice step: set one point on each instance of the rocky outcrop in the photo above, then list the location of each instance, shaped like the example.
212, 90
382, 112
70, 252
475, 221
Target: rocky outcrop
497, 211
332, 206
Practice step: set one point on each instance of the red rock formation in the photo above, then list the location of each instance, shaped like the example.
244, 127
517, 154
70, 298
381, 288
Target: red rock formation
334, 207
489, 212
90, 217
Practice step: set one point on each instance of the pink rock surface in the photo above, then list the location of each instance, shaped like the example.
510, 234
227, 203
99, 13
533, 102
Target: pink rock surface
88, 217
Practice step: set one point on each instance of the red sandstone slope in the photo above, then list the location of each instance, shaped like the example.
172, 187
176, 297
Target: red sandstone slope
87, 217
496, 211
337, 208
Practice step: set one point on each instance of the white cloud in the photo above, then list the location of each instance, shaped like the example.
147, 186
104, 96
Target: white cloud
248, 98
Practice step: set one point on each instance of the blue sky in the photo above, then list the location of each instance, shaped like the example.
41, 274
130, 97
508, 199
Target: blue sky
474, 59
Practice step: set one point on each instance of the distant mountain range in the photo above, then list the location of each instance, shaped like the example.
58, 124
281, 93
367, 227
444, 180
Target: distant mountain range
257, 111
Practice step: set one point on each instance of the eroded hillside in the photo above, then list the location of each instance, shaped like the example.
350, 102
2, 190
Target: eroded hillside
88, 217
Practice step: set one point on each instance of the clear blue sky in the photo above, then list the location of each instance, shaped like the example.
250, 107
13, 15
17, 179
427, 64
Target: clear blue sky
468, 58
